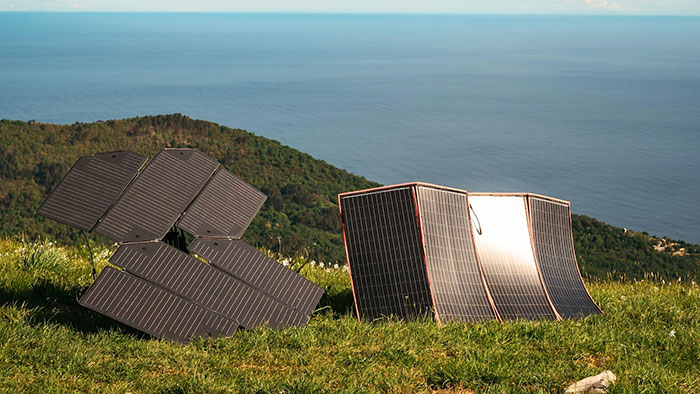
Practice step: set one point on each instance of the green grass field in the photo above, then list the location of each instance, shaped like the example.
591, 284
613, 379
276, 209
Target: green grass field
649, 337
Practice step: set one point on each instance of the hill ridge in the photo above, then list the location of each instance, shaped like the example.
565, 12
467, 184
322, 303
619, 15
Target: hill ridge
300, 216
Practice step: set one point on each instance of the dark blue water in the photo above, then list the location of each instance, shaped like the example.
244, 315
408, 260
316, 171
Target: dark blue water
602, 111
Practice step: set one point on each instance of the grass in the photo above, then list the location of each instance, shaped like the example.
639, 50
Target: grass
649, 337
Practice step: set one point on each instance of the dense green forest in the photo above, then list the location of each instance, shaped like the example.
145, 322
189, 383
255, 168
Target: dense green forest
300, 216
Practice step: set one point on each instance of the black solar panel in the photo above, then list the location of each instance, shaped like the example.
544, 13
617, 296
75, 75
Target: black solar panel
507, 258
265, 274
204, 284
455, 276
162, 290
551, 230
157, 197
151, 309
90, 187
385, 254
224, 208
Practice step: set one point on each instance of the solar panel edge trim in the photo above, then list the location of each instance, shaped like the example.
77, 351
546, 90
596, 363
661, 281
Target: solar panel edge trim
167, 331
416, 205
578, 278
526, 201
42, 209
347, 258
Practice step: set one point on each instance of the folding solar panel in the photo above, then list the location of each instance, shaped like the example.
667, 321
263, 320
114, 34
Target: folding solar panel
457, 283
161, 289
411, 254
203, 284
385, 254
465, 256
90, 187
224, 208
158, 196
507, 257
261, 272
151, 309
554, 248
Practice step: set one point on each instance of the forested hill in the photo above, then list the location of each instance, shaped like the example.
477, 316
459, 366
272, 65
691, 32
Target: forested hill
301, 213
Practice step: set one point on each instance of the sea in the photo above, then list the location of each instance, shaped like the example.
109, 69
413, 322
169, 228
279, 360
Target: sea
603, 111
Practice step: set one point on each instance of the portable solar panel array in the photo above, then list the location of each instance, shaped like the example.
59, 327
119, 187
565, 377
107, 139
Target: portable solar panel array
159, 288
420, 250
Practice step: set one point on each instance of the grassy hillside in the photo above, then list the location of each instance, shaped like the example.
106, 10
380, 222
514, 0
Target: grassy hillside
649, 337
301, 214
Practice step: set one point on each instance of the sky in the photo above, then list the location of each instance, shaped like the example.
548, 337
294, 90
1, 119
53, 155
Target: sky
643, 7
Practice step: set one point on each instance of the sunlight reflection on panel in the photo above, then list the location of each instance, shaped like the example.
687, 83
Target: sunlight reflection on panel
507, 258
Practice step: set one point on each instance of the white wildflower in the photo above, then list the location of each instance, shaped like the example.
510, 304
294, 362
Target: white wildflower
623, 298
672, 334
321, 264
328, 270
335, 266
663, 281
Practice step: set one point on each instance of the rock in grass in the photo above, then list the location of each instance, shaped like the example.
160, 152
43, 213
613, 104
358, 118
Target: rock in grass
593, 384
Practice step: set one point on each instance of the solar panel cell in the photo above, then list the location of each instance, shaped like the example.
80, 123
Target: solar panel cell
151, 309
551, 225
455, 276
224, 208
90, 187
507, 258
385, 254
265, 274
204, 284
157, 197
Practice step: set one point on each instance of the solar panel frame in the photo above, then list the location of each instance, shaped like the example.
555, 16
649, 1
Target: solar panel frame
455, 275
224, 208
90, 188
553, 244
260, 271
204, 284
388, 273
154, 201
528, 295
149, 308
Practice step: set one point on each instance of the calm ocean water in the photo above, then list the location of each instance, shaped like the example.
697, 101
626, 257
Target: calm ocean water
601, 111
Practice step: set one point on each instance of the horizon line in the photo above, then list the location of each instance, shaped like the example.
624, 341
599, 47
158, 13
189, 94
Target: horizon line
637, 14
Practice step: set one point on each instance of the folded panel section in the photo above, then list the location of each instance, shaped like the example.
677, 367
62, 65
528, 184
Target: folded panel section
554, 246
224, 208
263, 273
457, 283
507, 258
385, 254
151, 205
90, 187
151, 309
204, 284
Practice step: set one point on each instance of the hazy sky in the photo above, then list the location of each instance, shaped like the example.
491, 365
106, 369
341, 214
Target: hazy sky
664, 7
